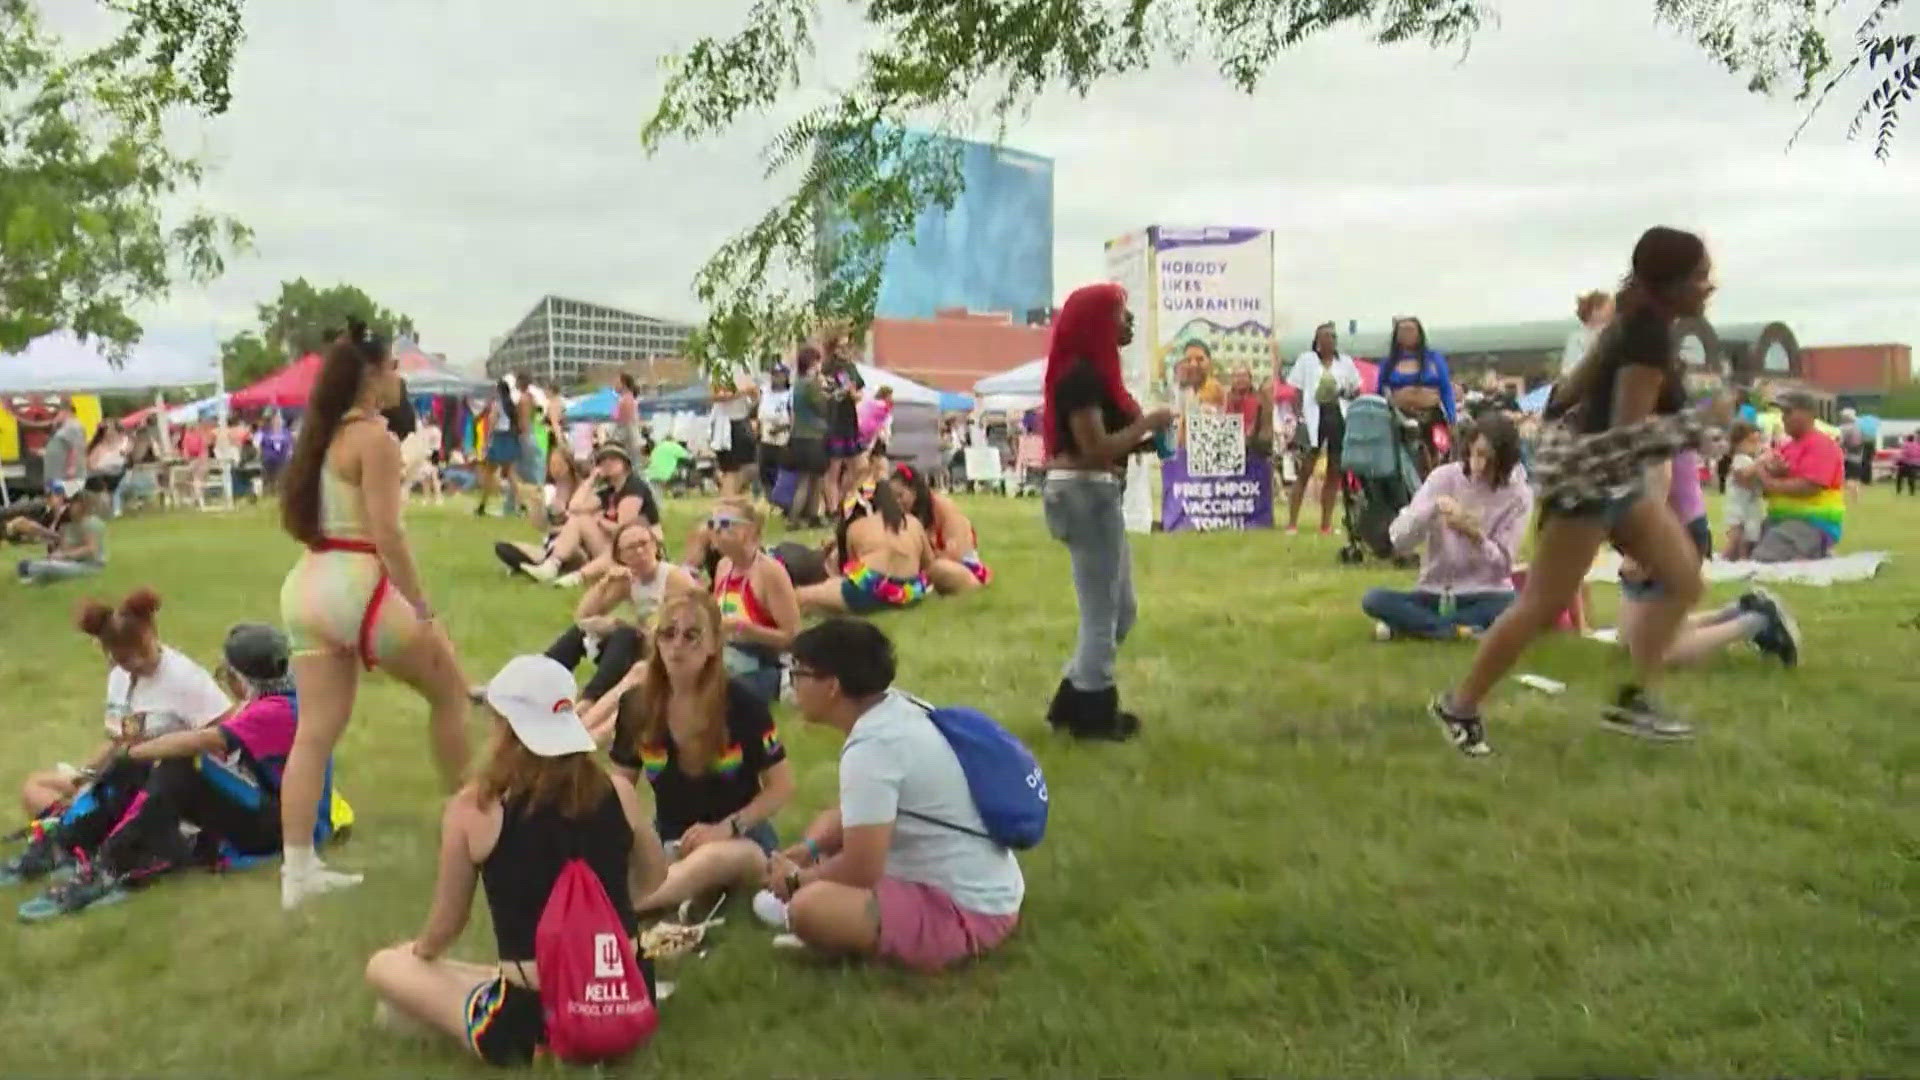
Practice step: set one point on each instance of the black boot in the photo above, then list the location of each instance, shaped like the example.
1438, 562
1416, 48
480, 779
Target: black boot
1098, 716
1060, 710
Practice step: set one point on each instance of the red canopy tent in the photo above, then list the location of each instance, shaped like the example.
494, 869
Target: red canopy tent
287, 388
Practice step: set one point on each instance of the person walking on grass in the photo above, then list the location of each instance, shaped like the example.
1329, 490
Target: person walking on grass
1091, 426
354, 597
1620, 411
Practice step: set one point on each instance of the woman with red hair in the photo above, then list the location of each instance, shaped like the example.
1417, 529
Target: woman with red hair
1090, 425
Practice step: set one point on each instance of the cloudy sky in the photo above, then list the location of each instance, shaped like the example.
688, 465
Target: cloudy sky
460, 159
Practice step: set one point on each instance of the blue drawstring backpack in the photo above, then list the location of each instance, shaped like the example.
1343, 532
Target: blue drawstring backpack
1008, 788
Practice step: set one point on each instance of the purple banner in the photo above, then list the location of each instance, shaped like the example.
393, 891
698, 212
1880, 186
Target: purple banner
1209, 503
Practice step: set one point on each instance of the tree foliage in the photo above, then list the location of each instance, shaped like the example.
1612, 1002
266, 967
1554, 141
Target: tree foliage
297, 322
960, 66
86, 177
1786, 45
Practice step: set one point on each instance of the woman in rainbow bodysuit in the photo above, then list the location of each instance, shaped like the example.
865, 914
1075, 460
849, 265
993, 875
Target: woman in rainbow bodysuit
354, 597
956, 546
884, 553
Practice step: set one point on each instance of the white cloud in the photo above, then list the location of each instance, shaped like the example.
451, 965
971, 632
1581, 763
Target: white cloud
459, 159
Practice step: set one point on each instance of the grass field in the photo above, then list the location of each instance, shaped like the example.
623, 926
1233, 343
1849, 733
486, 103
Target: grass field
1291, 874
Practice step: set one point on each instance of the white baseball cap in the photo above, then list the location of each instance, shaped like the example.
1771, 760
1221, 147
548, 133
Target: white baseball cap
535, 694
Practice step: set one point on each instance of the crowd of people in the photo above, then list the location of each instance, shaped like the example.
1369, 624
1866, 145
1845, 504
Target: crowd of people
689, 657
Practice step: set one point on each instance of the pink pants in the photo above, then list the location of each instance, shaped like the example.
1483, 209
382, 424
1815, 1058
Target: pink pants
922, 928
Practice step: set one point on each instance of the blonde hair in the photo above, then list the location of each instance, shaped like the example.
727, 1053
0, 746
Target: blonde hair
745, 508
643, 714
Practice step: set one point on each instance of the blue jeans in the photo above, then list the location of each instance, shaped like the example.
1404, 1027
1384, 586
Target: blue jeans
38, 570
1417, 614
1083, 512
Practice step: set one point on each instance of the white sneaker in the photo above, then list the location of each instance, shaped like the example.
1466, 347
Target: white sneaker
541, 571
1382, 632
568, 581
770, 909
296, 889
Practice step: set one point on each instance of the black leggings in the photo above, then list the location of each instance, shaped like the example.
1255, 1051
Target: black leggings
619, 651
130, 821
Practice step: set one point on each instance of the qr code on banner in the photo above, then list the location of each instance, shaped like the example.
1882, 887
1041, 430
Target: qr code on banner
1216, 444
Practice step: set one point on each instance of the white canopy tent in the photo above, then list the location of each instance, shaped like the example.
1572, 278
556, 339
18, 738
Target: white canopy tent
1027, 380
60, 362
905, 390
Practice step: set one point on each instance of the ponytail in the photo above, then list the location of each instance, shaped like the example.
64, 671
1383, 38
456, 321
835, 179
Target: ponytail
335, 389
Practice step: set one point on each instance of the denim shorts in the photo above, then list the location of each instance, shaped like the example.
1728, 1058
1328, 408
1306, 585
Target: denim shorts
1702, 536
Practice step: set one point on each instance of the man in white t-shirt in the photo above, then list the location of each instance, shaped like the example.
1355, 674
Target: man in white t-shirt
902, 868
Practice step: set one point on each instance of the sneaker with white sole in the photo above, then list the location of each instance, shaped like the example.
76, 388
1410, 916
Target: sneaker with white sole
1781, 638
543, 572
1635, 713
1382, 632
770, 909
1467, 733
567, 581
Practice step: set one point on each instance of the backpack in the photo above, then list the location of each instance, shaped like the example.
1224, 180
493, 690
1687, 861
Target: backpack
1372, 445
592, 992
1009, 790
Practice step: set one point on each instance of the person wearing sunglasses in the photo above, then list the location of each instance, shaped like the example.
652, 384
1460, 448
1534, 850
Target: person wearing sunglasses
640, 578
759, 608
708, 747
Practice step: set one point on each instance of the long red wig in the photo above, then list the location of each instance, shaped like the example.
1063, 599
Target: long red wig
1087, 330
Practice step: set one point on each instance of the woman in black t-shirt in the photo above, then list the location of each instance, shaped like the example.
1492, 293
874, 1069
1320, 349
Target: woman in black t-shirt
1090, 426
709, 749
1612, 424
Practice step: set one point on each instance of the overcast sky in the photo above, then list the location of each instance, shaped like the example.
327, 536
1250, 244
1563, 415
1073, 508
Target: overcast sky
460, 159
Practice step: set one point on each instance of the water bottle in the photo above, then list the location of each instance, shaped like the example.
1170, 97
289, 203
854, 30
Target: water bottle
1163, 444
1446, 604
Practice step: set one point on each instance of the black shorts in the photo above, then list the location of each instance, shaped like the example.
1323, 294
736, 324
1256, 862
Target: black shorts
807, 456
743, 453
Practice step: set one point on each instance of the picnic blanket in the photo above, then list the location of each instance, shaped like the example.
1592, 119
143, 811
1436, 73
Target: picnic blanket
1858, 566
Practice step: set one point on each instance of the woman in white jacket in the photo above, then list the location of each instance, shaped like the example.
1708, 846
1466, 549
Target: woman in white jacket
1327, 379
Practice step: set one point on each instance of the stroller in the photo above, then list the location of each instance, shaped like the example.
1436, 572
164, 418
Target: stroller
1382, 473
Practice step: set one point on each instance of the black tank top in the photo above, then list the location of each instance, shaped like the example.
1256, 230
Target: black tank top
533, 846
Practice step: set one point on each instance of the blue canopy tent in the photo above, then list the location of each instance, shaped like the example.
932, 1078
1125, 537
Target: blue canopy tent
952, 402
694, 398
595, 408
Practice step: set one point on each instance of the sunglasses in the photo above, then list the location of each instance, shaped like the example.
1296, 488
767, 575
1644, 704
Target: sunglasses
720, 523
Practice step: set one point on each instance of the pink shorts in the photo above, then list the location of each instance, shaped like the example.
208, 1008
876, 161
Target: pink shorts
921, 926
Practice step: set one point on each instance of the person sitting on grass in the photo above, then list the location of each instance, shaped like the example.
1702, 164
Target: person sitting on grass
38, 522
1470, 515
152, 690
758, 607
540, 800
884, 555
77, 548
708, 748
620, 498
639, 577
222, 780
1804, 480
902, 868
572, 510
956, 545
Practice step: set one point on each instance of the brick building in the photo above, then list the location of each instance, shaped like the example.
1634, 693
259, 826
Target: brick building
1858, 370
954, 349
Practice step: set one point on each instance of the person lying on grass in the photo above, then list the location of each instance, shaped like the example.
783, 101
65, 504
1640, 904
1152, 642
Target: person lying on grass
223, 780
902, 868
708, 747
956, 545
152, 690
884, 555
639, 578
540, 800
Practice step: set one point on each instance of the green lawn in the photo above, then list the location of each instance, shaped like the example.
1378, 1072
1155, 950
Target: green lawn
1291, 874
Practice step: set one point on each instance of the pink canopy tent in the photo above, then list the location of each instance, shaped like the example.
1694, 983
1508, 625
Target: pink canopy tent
287, 388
